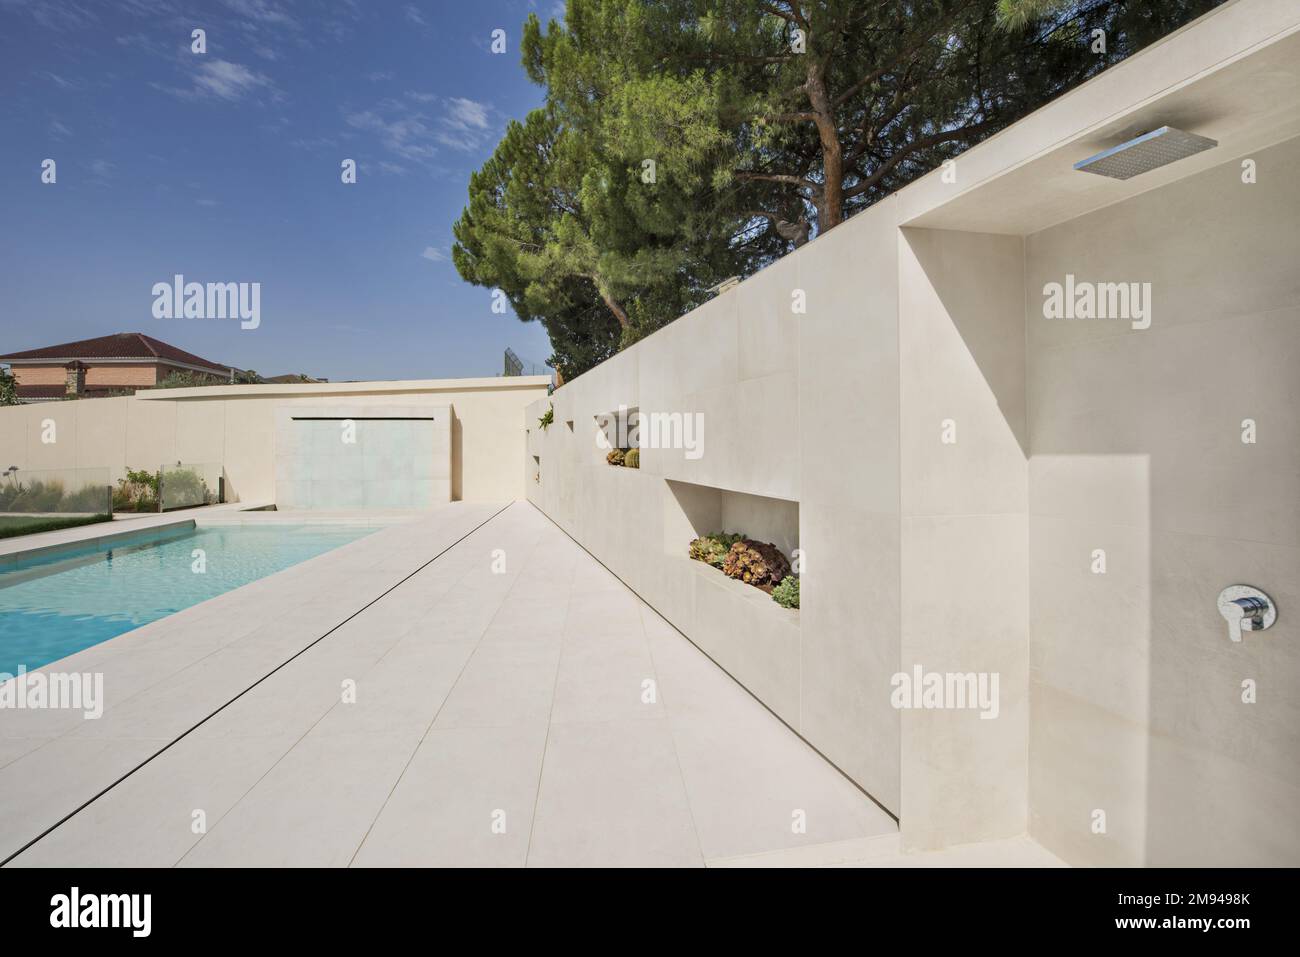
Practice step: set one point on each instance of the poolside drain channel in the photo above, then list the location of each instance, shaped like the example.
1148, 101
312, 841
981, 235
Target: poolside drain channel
198, 724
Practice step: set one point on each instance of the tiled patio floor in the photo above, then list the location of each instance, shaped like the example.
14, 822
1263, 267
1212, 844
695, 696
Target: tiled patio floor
540, 715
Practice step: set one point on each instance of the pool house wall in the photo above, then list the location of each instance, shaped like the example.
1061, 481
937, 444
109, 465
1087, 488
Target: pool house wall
236, 427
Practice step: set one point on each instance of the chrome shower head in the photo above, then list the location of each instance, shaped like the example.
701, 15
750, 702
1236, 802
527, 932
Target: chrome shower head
1149, 151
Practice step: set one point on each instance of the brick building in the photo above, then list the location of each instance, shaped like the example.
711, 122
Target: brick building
107, 365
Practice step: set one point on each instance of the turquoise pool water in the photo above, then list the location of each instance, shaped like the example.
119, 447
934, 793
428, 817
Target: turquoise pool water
55, 607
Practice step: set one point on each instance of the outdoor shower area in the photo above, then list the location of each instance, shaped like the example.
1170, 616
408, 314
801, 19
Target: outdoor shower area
1032, 422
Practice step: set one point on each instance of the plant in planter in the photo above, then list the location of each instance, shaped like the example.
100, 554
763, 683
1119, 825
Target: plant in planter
632, 459
615, 456
712, 549
786, 594
756, 563
547, 418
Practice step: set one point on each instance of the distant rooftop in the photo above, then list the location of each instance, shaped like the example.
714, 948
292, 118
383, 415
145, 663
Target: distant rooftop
119, 346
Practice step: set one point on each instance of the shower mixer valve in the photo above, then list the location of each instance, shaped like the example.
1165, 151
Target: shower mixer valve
1246, 608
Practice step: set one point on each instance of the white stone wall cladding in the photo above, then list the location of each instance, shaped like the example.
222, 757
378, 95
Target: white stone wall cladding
794, 376
1118, 693
399, 456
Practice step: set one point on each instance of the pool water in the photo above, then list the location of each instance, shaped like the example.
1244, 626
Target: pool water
53, 609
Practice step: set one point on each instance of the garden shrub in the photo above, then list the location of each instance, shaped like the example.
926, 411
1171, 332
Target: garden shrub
41, 496
91, 498
35, 497
45, 496
786, 594
138, 492
184, 487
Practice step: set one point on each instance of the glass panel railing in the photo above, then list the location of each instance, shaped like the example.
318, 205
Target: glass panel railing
187, 484
35, 500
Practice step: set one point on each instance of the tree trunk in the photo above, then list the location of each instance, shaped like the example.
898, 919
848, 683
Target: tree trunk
830, 202
619, 313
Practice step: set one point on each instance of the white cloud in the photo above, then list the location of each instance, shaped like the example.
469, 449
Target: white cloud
58, 130
379, 76
137, 41
225, 80
465, 124
434, 255
147, 8
408, 136
261, 11
206, 202
315, 143
411, 134
466, 114
60, 15
413, 14
62, 83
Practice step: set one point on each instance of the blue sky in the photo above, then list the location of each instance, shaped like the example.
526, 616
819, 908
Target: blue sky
225, 167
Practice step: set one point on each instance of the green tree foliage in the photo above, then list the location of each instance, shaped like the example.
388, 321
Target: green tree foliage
185, 379
686, 141
1129, 25
8, 388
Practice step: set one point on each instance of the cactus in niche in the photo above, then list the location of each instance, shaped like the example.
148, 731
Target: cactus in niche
615, 456
632, 459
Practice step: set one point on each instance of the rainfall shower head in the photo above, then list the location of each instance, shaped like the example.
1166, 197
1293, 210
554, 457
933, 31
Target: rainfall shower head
1149, 151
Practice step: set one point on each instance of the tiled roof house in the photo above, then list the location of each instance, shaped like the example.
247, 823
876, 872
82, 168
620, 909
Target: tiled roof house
122, 362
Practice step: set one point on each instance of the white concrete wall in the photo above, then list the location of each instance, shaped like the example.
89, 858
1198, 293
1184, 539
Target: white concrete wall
339, 456
1137, 450
964, 530
235, 426
1117, 693
800, 447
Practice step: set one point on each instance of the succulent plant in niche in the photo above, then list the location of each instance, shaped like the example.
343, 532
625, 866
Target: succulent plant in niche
786, 594
756, 563
712, 549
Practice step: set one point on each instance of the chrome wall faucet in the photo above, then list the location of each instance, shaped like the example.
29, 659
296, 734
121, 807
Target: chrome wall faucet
1246, 608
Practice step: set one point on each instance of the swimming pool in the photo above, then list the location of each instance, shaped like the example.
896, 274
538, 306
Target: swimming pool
57, 605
